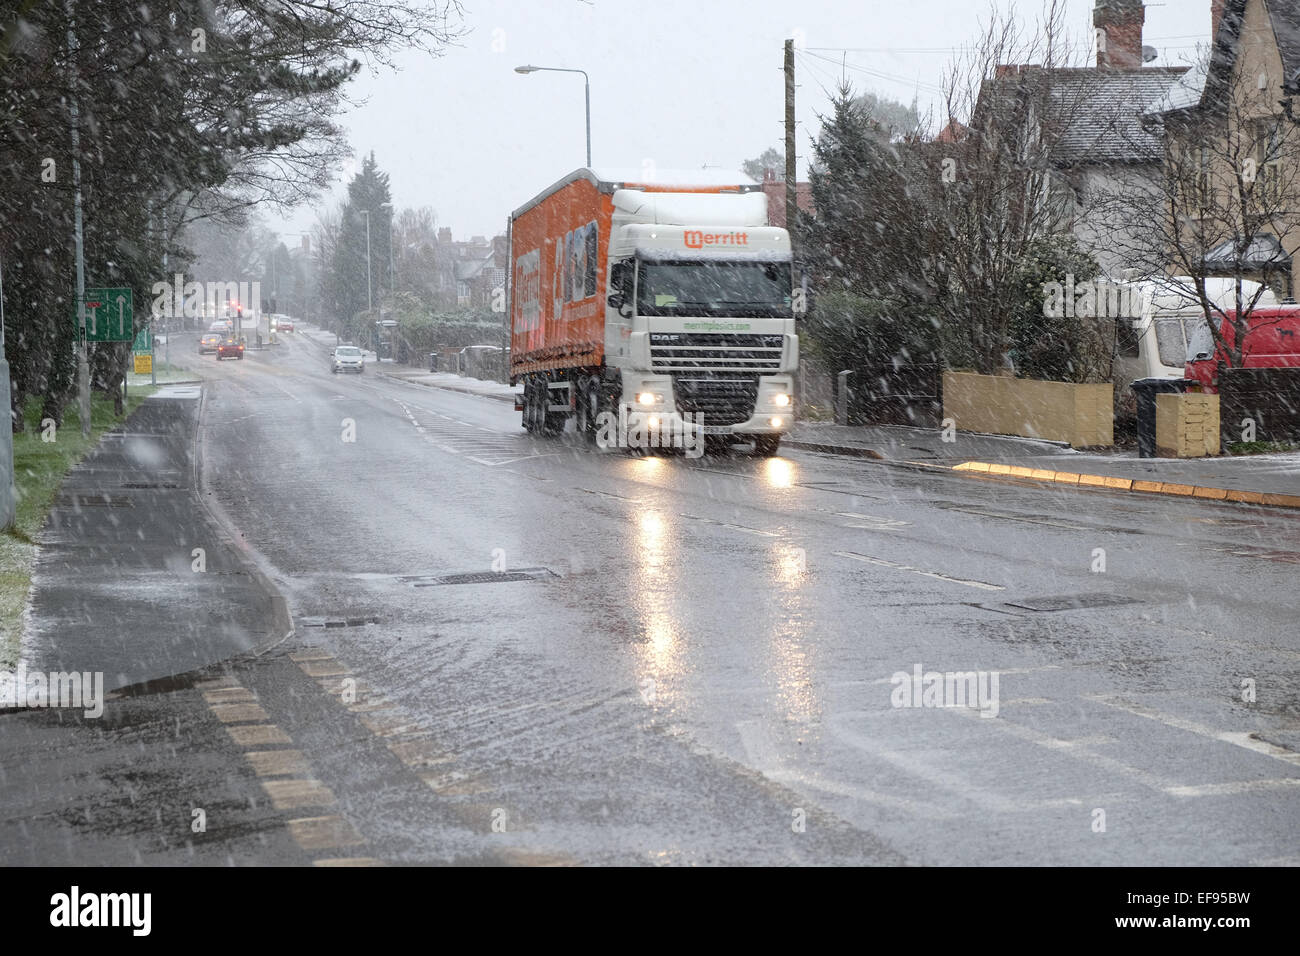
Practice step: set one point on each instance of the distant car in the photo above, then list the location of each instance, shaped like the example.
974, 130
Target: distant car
348, 358
223, 326
209, 342
284, 325
230, 348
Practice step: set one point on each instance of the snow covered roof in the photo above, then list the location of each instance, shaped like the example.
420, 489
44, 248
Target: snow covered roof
1183, 94
1263, 250
1105, 108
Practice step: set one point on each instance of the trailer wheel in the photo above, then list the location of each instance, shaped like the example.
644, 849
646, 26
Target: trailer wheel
530, 405
552, 422
589, 411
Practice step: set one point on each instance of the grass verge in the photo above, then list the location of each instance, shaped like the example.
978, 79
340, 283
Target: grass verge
39, 470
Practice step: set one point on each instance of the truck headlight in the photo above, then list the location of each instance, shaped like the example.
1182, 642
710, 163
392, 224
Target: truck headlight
781, 398
649, 398
775, 422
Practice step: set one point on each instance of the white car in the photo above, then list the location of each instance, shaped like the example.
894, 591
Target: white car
347, 358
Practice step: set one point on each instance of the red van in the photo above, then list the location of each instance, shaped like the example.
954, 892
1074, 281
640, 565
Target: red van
1272, 341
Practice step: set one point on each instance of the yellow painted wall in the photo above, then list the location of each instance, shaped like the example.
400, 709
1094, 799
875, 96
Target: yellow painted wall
998, 405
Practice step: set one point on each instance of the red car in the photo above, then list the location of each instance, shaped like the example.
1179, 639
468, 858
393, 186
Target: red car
230, 348
284, 326
1272, 341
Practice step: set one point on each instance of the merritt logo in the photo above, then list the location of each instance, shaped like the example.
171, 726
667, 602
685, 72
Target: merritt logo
698, 240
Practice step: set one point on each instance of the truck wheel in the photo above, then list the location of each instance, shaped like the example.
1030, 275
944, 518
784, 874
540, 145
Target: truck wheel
765, 446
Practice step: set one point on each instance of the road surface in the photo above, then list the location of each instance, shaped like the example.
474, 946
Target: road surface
510, 649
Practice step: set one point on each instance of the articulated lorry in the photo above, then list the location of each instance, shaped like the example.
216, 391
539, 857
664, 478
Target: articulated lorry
660, 310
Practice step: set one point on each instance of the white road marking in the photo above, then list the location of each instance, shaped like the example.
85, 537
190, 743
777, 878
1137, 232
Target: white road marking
875, 523
1235, 787
733, 527
1002, 672
1077, 748
867, 559
1237, 739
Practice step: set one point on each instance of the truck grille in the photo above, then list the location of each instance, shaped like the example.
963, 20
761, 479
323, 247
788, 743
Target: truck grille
690, 352
718, 400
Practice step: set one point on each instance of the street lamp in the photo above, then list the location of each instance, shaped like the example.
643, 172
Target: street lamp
586, 81
370, 303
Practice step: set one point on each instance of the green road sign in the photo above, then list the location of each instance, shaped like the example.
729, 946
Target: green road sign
143, 342
109, 315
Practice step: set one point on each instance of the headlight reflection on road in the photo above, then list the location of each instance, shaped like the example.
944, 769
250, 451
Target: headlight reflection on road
779, 472
789, 667
655, 595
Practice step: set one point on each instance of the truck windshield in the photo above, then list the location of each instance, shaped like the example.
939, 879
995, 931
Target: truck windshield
757, 289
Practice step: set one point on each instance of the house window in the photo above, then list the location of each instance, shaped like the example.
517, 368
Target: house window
1204, 178
1268, 155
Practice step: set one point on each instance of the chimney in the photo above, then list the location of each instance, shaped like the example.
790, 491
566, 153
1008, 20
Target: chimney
1119, 33
1216, 15
444, 234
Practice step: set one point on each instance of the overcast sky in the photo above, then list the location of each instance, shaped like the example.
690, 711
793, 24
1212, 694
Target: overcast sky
676, 83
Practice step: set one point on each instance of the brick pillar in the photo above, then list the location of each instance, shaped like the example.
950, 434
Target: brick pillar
1120, 42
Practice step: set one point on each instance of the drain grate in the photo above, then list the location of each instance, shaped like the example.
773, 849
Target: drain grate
148, 484
487, 577
335, 621
94, 501
1071, 602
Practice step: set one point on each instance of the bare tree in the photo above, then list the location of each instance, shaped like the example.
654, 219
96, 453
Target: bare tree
994, 191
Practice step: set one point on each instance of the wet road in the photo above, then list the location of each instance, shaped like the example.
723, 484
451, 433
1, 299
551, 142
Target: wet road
693, 661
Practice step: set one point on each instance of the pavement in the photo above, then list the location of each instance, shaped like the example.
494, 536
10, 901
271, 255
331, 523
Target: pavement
510, 649
1270, 479
130, 527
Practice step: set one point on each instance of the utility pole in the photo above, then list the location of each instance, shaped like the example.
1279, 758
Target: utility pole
370, 302
167, 335
8, 494
83, 362
791, 197
792, 186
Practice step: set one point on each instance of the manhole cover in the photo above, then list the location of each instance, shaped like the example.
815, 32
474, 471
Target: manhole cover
488, 577
1071, 602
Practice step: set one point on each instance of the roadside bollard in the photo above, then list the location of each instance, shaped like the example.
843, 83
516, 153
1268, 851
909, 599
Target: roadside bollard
842, 397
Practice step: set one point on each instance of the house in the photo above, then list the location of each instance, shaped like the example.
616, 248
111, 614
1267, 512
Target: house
1086, 124
774, 187
468, 272
1234, 131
